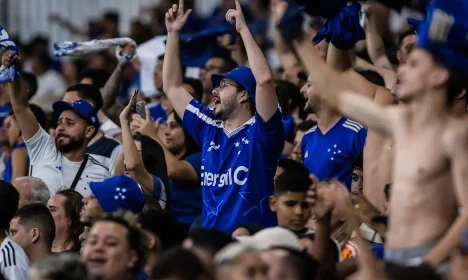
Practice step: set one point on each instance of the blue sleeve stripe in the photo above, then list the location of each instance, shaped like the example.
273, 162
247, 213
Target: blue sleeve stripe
194, 110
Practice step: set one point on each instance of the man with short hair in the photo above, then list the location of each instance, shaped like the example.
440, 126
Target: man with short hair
62, 163
33, 228
214, 65
31, 190
104, 149
241, 137
14, 264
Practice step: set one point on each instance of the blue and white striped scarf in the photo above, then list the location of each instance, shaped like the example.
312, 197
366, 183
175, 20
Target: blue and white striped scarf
11, 73
72, 48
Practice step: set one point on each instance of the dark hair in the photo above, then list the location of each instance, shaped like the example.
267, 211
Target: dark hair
191, 146
292, 180
44, 59
372, 77
153, 158
38, 215
455, 83
31, 81
305, 125
72, 207
358, 162
111, 16
37, 112
137, 239
298, 264
387, 190
228, 63
210, 239
403, 35
178, 263
289, 97
99, 77
89, 93
197, 87
9, 199
164, 226
51, 123
161, 57
290, 164
251, 228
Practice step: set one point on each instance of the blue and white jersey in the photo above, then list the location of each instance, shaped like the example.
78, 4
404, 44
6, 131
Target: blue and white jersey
331, 156
237, 167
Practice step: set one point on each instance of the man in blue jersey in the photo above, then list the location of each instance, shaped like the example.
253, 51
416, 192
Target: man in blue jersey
241, 137
329, 148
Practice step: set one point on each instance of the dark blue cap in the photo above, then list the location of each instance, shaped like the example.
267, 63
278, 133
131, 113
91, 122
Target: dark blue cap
445, 32
241, 75
83, 108
118, 192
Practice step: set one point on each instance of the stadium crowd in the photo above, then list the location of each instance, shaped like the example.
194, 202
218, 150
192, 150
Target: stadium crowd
347, 161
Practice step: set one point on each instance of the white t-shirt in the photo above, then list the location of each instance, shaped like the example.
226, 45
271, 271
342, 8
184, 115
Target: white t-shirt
14, 263
48, 164
107, 151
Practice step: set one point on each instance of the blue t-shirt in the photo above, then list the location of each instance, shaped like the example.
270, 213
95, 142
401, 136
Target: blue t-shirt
331, 155
5, 110
8, 168
157, 111
186, 199
237, 167
289, 127
159, 192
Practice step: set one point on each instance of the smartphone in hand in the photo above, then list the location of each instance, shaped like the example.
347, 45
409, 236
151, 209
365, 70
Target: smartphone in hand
140, 109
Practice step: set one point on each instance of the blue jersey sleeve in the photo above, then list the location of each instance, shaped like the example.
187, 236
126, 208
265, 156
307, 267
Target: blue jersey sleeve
271, 133
196, 119
195, 162
360, 140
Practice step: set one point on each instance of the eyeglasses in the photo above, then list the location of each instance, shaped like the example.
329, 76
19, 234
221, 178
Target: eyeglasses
223, 84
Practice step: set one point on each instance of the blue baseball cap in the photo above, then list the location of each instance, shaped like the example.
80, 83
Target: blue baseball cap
118, 192
445, 32
83, 108
241, 75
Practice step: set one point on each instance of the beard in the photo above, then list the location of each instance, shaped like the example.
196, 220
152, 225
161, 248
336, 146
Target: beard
313, 105
226, 109
74, 143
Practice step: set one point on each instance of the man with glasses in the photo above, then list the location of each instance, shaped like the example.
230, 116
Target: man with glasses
215, 65
241, 137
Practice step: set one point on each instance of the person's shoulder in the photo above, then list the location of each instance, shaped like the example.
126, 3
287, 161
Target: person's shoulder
455, 135
12, 255
98, 167
352, 126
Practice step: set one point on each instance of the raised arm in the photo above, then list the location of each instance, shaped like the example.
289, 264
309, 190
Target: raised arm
378, 15
265, 100
177, 170
172, 67
109, 92
19, 101
132, 156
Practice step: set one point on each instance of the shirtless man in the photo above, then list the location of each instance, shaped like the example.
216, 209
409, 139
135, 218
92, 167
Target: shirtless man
430, 147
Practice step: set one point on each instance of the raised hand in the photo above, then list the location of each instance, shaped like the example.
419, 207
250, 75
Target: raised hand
145, 126
128, 110
319, 198
8, 59
176, 18
236, 17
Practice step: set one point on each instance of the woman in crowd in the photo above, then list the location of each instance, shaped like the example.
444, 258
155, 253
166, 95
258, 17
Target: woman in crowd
65, 207
183, 159
134, 159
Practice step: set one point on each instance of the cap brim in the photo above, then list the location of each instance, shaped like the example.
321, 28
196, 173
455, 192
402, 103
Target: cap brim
60, 106
217, 78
